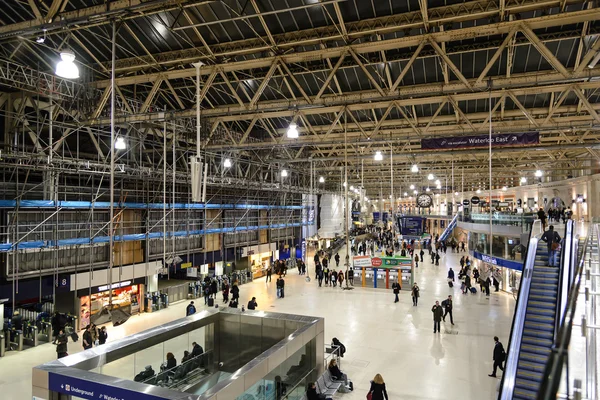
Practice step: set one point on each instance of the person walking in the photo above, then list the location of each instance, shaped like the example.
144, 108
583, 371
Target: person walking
252, 304
235, 292
269, 273
320, 277
377, 389
340, 277
333, 278
190, 309
437, 316
447, 304
552, 238
542, 217
337, 259
499, 356
396, 289
326, 274
416, 261
61, 344
55, 322
87, 340
281, 287
414, 292
450, 277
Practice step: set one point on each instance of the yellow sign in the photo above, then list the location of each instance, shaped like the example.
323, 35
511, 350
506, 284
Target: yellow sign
186, 265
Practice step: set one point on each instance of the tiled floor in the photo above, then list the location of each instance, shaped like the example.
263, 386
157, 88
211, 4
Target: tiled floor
395, 340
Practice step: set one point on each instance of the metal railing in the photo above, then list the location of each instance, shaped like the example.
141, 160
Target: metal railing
558, 361
507, 384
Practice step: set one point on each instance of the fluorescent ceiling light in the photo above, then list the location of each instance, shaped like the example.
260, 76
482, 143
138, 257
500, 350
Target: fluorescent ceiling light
292, 131
66, 68
378, 156
227, 163
120, 144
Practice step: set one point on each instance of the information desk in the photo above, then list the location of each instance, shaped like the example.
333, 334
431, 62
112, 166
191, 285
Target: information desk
382, 272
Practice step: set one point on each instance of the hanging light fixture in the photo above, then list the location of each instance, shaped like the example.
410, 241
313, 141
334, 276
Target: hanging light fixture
120, 144
321, 179
427, 189
539, 173
430, 177
227, 163
412, 187
523, 179
66, 67
284, 173
438, 186
437, 182
405, 194
344, 184
478, 191
292, 132
504, 188
414, 168
351, 187
456, 193
378, 156
415, 192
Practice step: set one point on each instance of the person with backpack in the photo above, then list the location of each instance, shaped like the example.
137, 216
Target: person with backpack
396, 289
552, 238
499, 356
190, 309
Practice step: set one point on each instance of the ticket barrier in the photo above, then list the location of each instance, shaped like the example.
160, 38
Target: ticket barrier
45, 332
15, 340
30, 335
2, 345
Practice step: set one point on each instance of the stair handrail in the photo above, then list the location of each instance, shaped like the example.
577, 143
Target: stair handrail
507, 384
560, 350
565, 276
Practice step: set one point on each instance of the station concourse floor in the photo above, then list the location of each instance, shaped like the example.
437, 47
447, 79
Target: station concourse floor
395, 340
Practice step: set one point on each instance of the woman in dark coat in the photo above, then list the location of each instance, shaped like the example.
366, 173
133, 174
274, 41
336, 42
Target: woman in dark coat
377, 389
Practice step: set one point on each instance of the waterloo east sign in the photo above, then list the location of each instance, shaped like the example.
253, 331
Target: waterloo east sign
499, 140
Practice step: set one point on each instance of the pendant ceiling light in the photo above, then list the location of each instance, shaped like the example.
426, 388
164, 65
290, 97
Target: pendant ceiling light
414, 168
321, 180
412, 187
430, 177
539, 173
227, 163
66, 67
523, 179
120, 144
292, 131
284, 173
378, 156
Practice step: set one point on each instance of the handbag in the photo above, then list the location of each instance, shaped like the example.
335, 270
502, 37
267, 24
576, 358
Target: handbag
370, 396
554, 246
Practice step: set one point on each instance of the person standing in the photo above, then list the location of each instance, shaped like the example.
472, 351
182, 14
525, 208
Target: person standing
235, 292
190, 309
55, 322
61, 344
437, 316
552, 238
416, 261
414, 292
320, 277
377, 389
542, 217
341, 278
252, 304
326, 274
499, 356
451, 277
87, 340
396, 289
447, 304
282, 287
269, 273
102, 335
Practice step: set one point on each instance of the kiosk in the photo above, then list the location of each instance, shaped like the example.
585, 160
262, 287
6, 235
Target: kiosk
381, 272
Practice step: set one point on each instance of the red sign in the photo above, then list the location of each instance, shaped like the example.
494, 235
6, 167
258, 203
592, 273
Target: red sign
376, 262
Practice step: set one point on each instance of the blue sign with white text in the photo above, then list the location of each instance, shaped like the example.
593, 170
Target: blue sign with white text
500, 262
93, 390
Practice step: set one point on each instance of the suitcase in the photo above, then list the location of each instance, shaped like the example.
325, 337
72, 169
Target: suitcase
450, 284
473, 290
74, 336
211, 302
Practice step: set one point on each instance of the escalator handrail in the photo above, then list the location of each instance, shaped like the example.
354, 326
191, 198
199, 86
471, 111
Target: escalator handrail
449, 227
509, 375
554, 367
564, 277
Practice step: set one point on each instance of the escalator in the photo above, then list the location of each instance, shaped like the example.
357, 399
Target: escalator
535, 323
449, 228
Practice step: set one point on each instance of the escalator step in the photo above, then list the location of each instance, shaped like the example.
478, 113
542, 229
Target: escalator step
527, 384
550, 270
537, 341
524, 394
531, 366
542, 304
529, 375
533, 357
530, 348
547, 321
547, 312
544, 286
532, 331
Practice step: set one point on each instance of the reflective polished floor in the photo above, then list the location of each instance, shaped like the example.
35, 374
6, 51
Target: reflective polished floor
394, 339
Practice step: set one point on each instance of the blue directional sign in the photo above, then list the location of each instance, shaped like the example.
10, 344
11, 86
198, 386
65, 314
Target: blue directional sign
85, 389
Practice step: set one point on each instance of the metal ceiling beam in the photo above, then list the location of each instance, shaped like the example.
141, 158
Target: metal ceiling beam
501, 28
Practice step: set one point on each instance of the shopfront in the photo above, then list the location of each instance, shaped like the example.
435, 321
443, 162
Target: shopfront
382, 272
259, 258
507, 272
126, 297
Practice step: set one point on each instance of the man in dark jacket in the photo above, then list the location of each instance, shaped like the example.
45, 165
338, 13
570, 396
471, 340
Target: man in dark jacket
55, 322
499, 356
252, 304
61, 348
438, 312
447, 304
337, 260
190, 309
396, 289
196, 349
552, 238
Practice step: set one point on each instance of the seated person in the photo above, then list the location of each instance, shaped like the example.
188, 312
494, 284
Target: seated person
311, 393
338, 375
